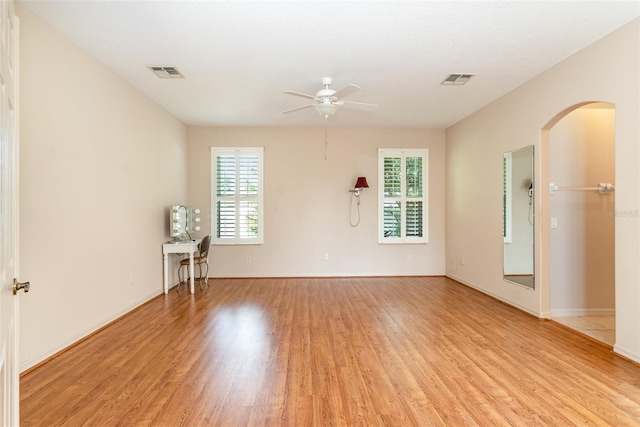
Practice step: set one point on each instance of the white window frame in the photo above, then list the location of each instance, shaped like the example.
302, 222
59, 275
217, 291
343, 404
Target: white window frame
403, 154
237, 198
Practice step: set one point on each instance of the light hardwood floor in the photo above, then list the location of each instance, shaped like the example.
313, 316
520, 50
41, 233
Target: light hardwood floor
340, 351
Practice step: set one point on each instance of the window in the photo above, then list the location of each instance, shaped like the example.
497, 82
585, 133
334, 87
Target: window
237, 195
403, 196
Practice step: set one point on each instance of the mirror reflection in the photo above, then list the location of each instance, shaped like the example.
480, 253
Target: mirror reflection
518, 221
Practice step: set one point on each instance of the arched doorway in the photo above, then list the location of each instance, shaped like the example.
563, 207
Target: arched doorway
578, 233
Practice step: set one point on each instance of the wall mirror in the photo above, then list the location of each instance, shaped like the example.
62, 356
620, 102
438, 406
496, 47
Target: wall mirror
517, 214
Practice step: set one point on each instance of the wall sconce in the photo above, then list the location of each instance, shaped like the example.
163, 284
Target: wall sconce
360, 184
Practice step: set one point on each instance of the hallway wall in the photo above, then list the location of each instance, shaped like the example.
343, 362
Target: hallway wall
475, 147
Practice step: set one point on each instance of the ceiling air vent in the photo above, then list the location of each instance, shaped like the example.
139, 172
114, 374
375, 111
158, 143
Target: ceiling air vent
457, 79
167, 72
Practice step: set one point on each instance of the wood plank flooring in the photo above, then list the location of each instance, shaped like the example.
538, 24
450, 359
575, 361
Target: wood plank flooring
332, 352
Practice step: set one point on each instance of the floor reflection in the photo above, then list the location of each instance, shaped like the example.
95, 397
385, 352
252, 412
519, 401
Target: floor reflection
521, 279
242, 334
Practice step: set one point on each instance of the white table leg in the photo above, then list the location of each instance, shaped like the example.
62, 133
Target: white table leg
165, 284
191, 273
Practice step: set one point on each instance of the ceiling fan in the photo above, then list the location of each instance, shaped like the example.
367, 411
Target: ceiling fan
327, 101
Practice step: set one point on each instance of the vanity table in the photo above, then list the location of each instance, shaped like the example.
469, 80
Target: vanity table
187, 247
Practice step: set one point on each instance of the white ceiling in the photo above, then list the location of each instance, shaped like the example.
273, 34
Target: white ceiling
239, 56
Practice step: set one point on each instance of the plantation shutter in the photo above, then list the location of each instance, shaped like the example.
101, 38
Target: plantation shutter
414, 182
392, 171
225, 190
237, 195
403, 198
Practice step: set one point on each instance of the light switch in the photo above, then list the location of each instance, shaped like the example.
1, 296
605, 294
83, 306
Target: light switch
554, 222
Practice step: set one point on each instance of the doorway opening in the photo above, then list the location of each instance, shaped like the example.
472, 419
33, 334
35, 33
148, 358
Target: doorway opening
580, 216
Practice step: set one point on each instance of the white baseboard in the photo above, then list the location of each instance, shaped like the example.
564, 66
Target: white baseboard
627, 354
545, 315
577, 312
499, 298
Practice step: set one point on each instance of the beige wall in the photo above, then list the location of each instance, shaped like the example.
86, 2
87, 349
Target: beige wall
581, 250
99, 164
307, 202
474, 155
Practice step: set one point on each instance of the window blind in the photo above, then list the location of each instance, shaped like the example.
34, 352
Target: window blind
237, 196
403, 203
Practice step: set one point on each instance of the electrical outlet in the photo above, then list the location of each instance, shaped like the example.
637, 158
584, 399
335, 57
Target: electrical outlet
461, 260
248, 258
409, 258
326, 256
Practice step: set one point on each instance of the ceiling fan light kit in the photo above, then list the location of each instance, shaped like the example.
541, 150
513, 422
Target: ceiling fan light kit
326, 108
327, 101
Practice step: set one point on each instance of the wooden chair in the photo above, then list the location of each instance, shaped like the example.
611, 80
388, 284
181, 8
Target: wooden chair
199, 259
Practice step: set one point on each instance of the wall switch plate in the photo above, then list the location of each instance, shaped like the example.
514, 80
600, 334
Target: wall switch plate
554, 222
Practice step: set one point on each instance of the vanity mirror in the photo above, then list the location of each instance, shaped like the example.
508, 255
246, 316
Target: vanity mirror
517, 214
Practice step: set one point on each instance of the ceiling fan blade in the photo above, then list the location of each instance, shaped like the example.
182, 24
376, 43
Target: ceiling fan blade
304, 95
346, 91
299, 108
360, 105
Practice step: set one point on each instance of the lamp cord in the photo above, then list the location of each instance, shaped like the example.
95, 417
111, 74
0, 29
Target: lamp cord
351, 209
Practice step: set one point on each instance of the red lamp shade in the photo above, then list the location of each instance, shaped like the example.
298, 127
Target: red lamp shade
361, 182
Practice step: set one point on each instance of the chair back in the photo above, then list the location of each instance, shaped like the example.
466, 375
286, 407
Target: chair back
205, 244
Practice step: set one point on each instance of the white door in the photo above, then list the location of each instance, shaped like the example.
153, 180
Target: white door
9, 396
